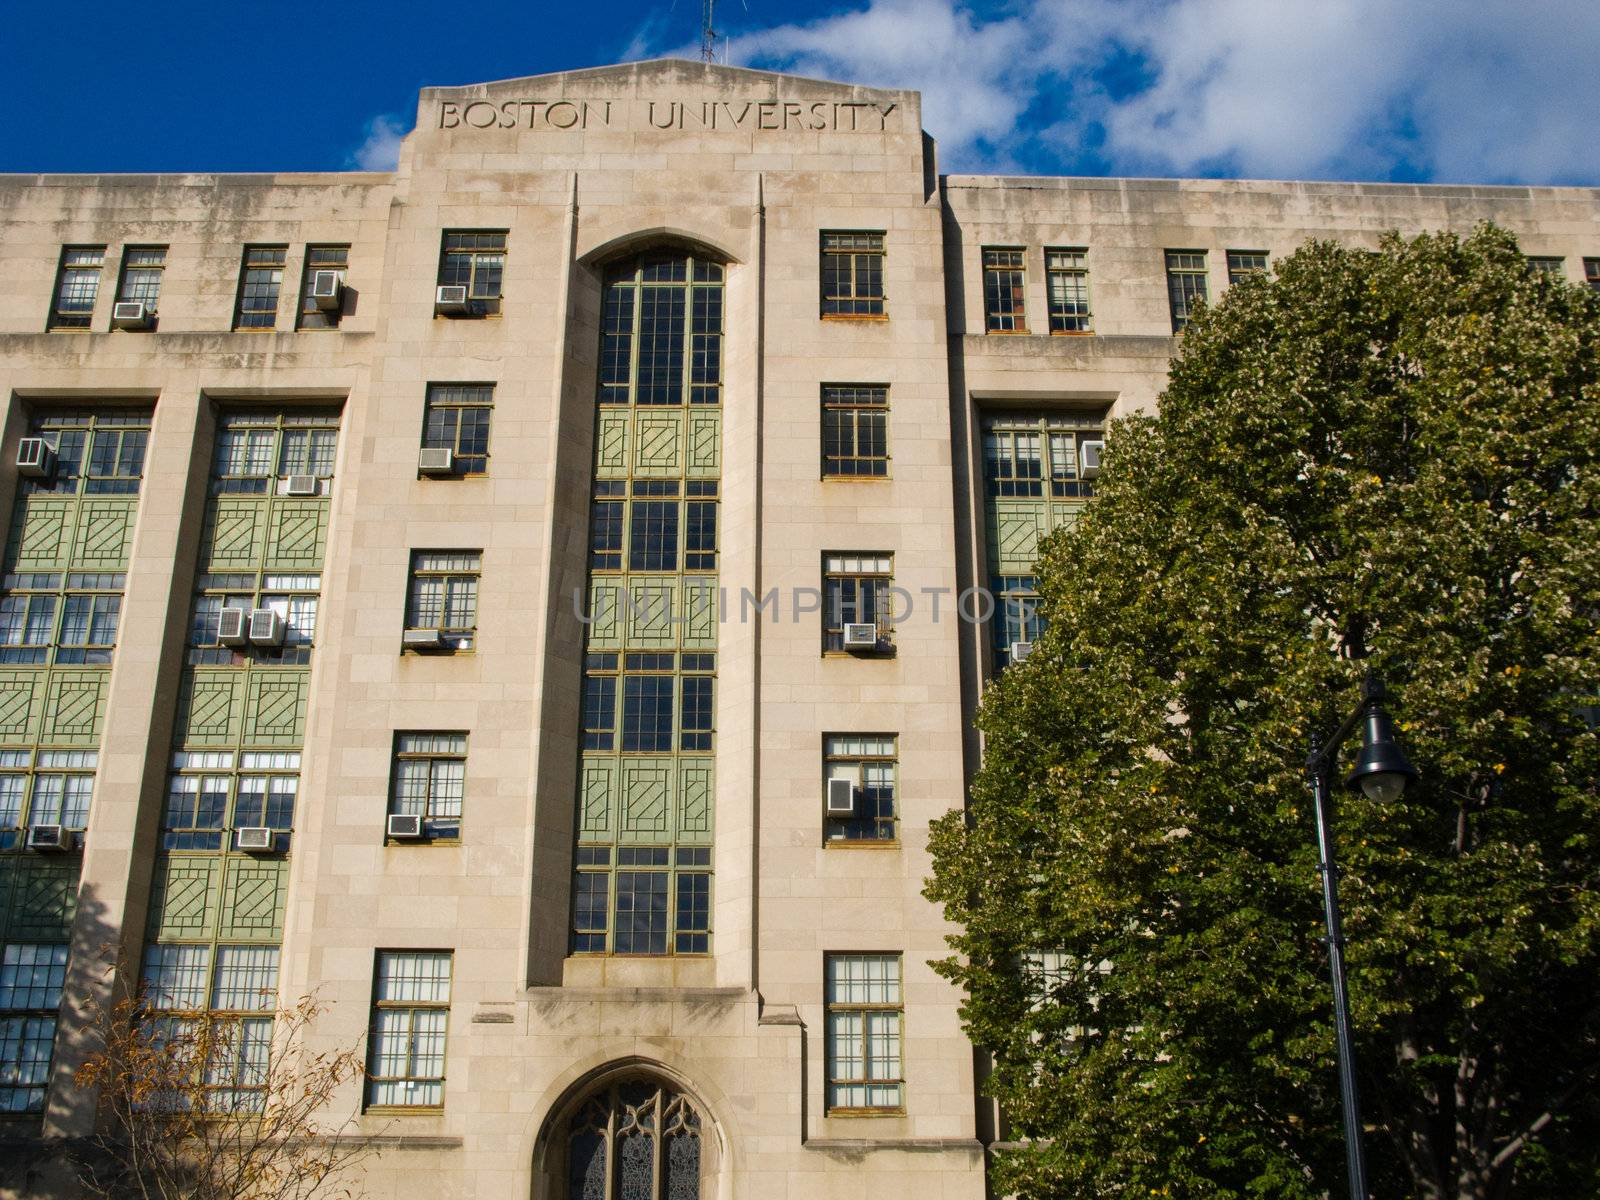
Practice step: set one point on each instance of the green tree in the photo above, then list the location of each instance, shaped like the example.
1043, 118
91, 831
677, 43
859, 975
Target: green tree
1379, 460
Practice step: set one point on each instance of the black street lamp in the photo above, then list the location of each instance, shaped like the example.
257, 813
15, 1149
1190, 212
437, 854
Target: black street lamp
1382, 772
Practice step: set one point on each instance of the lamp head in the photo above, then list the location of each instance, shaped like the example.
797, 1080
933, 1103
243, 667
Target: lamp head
1381, 771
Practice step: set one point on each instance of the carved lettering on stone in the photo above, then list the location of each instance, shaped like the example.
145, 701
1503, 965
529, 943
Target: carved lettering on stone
768, 116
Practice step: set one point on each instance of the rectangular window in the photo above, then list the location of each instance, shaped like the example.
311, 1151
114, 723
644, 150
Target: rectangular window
257, 450
89, 606
142, 268
44, 787
213, 791
98, 452
864, 1031
653, 528
1016, 614
456, 418
1067, 278
77, 284
647, 682
647, 703
429, 780
1004, 283
1547, 264
234, 990
31, 978
1245, 262
855, 430
474, 259
868, 762
656, 901
1022, 452
697, 709
855, 591
852, 274
294, 598
260, 279
410, 1018
1186, 284
1591, 272
444, 595
315, 312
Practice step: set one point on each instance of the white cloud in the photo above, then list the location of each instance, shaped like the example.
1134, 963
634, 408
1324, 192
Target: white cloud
381, 149
1468, 90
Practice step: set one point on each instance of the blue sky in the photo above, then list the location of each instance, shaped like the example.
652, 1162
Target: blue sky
1495, 91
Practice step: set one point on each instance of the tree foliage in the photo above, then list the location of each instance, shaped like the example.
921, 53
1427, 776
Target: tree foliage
195, 1108
1380, 460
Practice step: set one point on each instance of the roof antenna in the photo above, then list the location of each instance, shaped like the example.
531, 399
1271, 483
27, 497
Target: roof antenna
708, 35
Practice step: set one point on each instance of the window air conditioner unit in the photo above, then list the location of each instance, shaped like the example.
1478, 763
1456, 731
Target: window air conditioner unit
327, 290
451, 298
49, 837
266, 627
436, 460
841, 797
302, 485
422, 639
131, 314
860, 637
35, 459
1089, 458
405, 825
1020, 651
233, 627
253, 837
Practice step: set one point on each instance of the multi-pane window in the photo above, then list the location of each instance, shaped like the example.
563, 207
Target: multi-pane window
1004, 283
1020, 454
50, 616
1591, 272
44, 787
77, 284
652, 685
1016, 614
313, 313
661, 333
429, 780
1067, 282
864, 1016
217, 1002
855, 429
852, 274
653, 525
212, 791
257, 451
855, 591
1186, 284
32, 975
1549, 265
98, 452
142, 268
642, 900
476, 260
868, 762
636, 1139
410, 1018
1242, 263
293, 597
444, 595
456, 418
260, 280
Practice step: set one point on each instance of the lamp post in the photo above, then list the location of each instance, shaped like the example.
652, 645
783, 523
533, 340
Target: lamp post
1382, 772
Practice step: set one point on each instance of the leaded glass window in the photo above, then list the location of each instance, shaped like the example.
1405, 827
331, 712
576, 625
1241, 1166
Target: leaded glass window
635, 1140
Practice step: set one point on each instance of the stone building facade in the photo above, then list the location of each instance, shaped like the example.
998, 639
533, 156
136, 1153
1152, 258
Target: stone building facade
535, 600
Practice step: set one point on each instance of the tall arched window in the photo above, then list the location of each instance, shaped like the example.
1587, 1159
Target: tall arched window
635, 1139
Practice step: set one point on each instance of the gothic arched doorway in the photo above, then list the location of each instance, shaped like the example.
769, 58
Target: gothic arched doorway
634, 1137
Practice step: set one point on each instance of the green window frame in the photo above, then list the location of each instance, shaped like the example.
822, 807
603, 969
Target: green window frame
77, 286
456, 417
32, 976
476, 260
428, 779
212, 792
143, 268
410, 1029
320, 258
258, 449
856, 591
443, 594
865, 1033
1066, 272
852, 267
1243, 263
1005, 280
1186, 285
45, 787
871, 762
855, 430
260, 282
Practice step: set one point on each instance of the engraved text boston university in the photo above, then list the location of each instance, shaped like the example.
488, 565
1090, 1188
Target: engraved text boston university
777, 116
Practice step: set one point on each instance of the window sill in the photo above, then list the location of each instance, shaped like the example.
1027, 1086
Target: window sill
420, 841
854, 316
1008, 332
861, 843
865, 1112
829, 478
404, 1110
1072, 333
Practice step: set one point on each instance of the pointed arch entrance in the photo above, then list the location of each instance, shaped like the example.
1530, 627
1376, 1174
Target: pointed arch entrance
629, 1133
